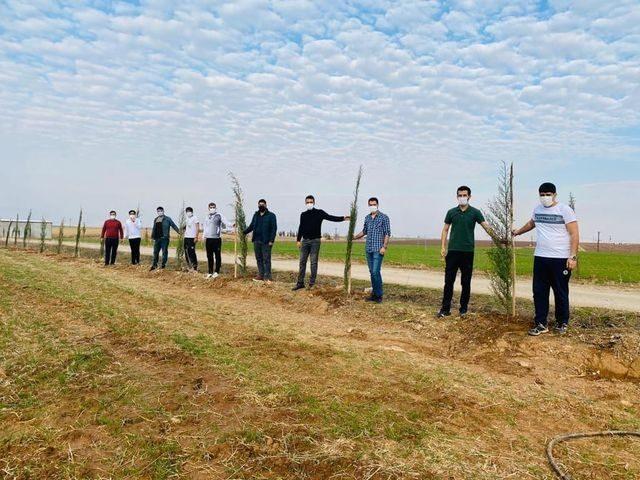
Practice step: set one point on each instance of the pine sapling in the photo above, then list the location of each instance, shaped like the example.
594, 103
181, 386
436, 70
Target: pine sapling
350, 233
241, 247
501, 255
60, 237
78, 233
26, 234
43, 233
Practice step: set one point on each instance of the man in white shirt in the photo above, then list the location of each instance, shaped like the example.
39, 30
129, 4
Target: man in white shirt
191, 232
213, 226
556, 255
132, 231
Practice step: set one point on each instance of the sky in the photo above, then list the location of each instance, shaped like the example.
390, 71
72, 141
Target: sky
118, 104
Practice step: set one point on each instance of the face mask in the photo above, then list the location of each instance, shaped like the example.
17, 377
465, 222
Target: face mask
160, 213
113, 217
132, 217
310, 206
463, 201
262, 208
212, 210
189, 214
546, 201
373, 208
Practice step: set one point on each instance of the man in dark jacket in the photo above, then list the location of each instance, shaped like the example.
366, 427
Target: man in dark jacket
111, 235
160, 236
264, 227
309, 238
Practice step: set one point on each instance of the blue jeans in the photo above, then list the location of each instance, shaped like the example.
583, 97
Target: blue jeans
160, 244
374, 259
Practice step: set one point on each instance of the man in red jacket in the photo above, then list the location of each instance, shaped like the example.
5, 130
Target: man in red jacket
112, 234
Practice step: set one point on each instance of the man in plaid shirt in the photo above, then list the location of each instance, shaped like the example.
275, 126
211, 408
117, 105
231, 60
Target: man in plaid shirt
377, 229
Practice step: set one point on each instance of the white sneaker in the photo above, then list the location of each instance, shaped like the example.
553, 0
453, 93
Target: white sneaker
214, 275
207, 275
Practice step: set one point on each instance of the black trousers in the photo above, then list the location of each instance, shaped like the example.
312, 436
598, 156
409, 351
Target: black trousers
455, 261
134, 245
551, 273
214, 245
263, 259
190, 252
110, 250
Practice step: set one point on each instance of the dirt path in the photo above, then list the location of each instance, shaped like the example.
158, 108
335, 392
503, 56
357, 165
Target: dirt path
624, 298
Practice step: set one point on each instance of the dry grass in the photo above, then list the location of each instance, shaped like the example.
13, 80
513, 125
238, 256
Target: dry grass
117, 372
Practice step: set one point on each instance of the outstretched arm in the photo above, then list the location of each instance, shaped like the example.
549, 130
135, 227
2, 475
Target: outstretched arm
527, 227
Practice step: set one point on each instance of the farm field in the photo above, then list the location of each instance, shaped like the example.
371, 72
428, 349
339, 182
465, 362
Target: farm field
119, 372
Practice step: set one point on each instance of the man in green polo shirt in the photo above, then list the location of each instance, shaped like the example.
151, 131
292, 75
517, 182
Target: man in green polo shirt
462, 221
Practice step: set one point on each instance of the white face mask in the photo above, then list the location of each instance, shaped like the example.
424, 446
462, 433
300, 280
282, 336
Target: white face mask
189, 214
546, 201
212, 210
132, 217
310, 206
373, 208
112, 216
463, 201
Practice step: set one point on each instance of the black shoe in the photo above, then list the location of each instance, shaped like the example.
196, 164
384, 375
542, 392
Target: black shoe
443, 313
463, 312
538, 330
378, 300
162, 267
372, 298
297, 287
153, 267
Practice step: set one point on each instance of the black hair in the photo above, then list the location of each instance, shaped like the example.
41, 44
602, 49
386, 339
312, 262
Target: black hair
310, 197
262, 200
547, 187
464, 188
112, 211
373, 199
160, 208
132, 212
212, 204
188, 209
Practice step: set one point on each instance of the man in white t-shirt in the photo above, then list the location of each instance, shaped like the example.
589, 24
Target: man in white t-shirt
555, 257
191, 232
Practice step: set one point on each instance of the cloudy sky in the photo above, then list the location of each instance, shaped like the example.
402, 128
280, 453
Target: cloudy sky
114, 104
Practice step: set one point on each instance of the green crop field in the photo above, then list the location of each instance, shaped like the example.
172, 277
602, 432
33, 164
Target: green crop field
600, 267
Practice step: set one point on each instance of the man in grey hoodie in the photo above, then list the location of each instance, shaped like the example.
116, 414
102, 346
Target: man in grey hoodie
212, 227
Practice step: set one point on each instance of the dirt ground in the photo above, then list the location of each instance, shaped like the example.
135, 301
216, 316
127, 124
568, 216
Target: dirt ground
124, 373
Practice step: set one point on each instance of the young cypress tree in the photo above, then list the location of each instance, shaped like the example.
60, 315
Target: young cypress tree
16, 231
43, 233
6, 240
182, 224
241, 225
26, 234
352, 227
78, 232
60, 237
501, 255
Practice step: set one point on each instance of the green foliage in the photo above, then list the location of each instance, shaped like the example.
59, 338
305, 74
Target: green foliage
500, 216
352, 227
43, 233
241, 223
61, 237
27, 231
78, 233
572, 201
16, 231
6, 240
182, 225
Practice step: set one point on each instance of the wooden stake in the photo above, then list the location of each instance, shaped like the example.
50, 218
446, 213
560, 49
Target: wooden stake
513, 246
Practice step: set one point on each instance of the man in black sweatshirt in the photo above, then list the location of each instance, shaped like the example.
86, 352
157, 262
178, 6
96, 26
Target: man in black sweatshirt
309, 238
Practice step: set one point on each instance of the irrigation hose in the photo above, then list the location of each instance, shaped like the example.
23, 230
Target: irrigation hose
573, 436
